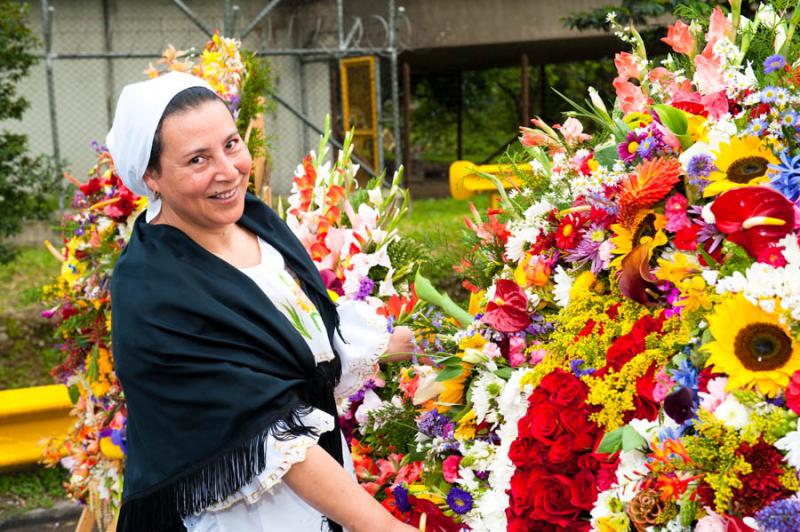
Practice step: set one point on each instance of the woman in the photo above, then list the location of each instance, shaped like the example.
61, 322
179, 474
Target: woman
225, 342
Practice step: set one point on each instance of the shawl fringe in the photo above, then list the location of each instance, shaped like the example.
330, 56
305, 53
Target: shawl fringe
160, 508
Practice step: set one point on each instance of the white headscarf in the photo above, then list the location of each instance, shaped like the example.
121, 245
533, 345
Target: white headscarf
130, 140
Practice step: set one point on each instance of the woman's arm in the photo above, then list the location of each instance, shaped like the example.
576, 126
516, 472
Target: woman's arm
326, 486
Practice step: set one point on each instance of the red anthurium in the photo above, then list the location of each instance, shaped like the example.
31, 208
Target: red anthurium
508, 310
753, 217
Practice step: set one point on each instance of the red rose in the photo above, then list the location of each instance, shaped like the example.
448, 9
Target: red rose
551, 500
793, 393
558, 379
561, 451
686, 238
584, 490
508, 310
571, 393
545, 425
582, 431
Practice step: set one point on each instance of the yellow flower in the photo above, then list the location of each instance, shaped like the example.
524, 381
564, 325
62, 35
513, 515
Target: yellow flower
582, 285
453, 393
476, 341
698, 127
634, 120
676, 270
751, 346
110, 449
648, 225
465, 431
693, 294
475, 299
613, 523
740, 163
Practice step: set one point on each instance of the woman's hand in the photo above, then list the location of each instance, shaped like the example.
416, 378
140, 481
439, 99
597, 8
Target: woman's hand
401, 345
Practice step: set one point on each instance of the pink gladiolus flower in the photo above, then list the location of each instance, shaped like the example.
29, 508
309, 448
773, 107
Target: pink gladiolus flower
716, 394
719, 27
680, 38
534, 137
450, 468
675, 212
627, 67
716, 104
631, 97
572, 129
708, 75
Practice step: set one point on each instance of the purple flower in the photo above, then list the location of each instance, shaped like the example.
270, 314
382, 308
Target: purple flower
459, 501
629, 149
434, 424
780, 516
699, 168
401, 498
773, 63
365, 289
588, 249
758, 127
576, 366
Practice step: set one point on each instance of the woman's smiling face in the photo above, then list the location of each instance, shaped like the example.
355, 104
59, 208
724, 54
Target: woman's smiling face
204, 168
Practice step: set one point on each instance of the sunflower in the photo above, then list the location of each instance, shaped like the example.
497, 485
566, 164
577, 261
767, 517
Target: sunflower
647, 224
740, 163
751, 346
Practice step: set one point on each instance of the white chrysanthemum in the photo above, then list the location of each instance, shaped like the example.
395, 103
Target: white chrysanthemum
791, 249
732, 413
517, 241
790, 444
484, 391
563, 284
632, 469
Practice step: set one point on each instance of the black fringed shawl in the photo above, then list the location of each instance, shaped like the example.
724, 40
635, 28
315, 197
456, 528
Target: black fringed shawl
209, 367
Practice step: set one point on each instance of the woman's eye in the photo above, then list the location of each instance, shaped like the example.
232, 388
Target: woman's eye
232, 143
196, 159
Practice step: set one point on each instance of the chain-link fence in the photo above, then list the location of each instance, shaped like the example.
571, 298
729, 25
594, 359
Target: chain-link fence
90, 49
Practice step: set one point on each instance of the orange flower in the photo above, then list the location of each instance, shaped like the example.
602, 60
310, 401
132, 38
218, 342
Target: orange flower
680, 38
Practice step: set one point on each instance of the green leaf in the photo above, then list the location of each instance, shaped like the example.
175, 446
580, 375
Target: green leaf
631, 440
675, 120
607, 156
449, 372
611, 442
427, 292
504, 373
74, 394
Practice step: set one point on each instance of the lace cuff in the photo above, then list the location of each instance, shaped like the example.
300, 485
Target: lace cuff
366, 339
281, 455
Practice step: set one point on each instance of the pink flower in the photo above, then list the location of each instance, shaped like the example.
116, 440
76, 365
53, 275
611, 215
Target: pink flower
664, 78
713, 522
708, 75
719, 27
534, 137
716, 104
516, 351
491, 350
631, 97
537, 353
675, 212
409, 473
663, 387
680, 38
716, 394
572, 129
627, 67
450, 468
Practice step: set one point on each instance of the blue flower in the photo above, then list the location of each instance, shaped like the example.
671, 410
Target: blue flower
401, 498
789, 119
781, 96
780, 516
757, 127
786, 176
685, 375
576, 368
459, 501
773, 63
768, 94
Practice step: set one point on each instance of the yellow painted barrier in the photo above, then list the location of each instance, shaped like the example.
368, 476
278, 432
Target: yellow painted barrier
27, 416
465, 179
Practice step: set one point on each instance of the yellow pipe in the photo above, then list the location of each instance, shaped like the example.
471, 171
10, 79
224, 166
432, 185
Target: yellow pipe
28, 416
465, 179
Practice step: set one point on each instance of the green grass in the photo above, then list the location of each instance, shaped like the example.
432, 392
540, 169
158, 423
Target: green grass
28, 490
21, 278
438, 225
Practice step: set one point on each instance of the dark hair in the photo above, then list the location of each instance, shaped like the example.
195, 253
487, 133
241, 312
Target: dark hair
185, 100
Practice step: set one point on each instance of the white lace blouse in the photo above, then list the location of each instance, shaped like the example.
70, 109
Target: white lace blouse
267, 504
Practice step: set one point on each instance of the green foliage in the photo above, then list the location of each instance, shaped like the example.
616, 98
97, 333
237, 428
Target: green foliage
640, 12
38, 488
25, 182
257, 83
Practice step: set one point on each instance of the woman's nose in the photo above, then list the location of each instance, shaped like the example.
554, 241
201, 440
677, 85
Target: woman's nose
226, 167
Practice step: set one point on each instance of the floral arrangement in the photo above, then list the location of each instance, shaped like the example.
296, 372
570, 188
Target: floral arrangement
634, 357
95, 231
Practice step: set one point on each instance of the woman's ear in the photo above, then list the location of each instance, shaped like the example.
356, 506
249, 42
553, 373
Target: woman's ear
150, 179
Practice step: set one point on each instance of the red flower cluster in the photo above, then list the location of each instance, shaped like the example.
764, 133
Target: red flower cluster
508, 311
558, 475
762, 486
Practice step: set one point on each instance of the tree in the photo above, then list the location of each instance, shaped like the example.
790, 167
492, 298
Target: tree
26, 182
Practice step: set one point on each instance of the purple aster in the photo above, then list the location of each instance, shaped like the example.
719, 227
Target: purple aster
628, 150
757, 127
789, 119
768, 94
588, 249
699, 168
780, 516
459, 501
786, 176
707, 231
653, 144
365, 289
773, 63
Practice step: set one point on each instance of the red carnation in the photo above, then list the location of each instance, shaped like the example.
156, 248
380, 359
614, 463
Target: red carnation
508, 310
